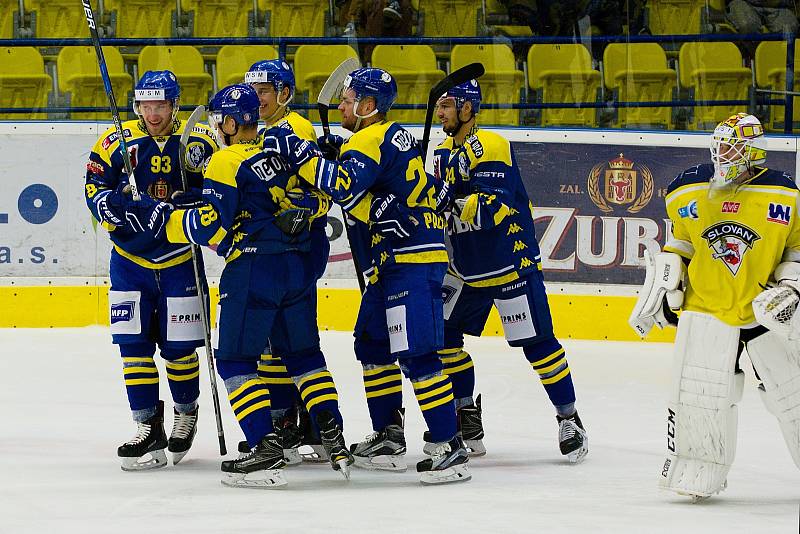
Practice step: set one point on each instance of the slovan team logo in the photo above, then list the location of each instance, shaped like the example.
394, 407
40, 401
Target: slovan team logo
729, 242
620, 185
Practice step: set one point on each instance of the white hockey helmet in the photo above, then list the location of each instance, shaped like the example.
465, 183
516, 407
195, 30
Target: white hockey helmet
737, 144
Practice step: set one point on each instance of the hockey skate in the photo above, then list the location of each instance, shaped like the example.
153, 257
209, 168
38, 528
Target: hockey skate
383, 450
333, 441
470, 426
447, 464
572, 438
146, 449
260, 468
310, 449
184, 427
286, 428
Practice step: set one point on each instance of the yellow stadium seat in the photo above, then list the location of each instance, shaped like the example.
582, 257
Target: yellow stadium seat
714, 72
563, 74
414, 70
58, 18
220, 18
234, 60
187, 64
501, 84
8, 11
295, 18
496, 18
770, 65
638, 73
79, 78
450, 18
23, 82
674, 17
141, 18
312, 66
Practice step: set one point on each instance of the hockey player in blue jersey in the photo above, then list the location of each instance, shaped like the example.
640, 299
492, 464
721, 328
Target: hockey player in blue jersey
379, 179
259, 223
153, 296
274, 83
495, 262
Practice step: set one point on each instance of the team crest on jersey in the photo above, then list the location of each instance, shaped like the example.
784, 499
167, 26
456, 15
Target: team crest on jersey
159, 190
729, 242
195, 156
779, 213
620, 181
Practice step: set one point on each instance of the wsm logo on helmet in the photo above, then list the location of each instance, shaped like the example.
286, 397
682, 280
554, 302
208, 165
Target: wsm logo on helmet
620, 185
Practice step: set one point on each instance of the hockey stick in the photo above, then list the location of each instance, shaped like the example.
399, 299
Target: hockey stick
194, 118
457, 77
112, 102
330, 89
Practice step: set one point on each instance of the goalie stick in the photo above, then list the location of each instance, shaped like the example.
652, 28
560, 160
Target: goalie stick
112, 102
457, 77
194, 118
332, 88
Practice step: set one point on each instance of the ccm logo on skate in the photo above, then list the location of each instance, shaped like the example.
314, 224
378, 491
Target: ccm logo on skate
122, 311
183, 318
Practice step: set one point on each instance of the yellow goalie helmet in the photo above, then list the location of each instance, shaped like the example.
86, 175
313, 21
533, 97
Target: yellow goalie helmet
737, 144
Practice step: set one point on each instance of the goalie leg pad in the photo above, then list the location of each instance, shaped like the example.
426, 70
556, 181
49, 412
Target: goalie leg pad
777, 363
702, 414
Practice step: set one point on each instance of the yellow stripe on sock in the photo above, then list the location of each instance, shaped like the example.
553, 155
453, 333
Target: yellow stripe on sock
384, 380
272, 368
382, 392
250, 409
314, 376
433, 393
453, 370
182, 366
322, 398
448, 351
184, 359
143, 359
316, 387
132, 370
141, 381
431, 381
278, 380
453, 359
238, 391
545, 370
183, 378
378, 370
556, 378
434, 404
546, 359
249, 397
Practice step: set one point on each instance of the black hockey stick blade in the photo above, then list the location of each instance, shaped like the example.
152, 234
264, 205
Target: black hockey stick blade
457, 77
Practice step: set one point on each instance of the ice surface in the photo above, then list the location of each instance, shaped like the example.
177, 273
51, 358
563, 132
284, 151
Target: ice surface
64, 412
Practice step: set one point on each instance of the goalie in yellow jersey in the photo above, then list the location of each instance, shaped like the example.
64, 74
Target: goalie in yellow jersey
735, 232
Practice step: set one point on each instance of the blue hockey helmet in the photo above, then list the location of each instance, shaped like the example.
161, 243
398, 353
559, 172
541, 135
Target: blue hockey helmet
374, 82
469, 91
239, 102
157, 85
274, 71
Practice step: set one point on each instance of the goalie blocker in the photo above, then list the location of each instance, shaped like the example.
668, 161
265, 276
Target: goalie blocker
663, 282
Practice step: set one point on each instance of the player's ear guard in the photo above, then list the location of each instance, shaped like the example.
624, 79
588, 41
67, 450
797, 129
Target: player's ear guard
663, 279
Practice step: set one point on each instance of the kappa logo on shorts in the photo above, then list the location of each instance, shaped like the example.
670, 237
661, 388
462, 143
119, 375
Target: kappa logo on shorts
729, 242
122, 311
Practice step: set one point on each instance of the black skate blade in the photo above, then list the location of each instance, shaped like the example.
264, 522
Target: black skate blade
451, 475
267, 479
151, 460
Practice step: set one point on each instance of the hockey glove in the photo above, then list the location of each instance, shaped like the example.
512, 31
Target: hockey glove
148, 216
663, 282
392, 218
293, 150
330, 145
776, 307
184, 200
482, 209
111, 206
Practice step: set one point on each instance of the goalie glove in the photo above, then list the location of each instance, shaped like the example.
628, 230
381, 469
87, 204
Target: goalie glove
775, 307
662, 282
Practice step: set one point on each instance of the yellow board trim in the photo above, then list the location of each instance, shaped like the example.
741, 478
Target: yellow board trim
78, 306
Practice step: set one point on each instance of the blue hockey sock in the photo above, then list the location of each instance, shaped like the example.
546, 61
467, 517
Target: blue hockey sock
383, 385
183, 376
434, 392
282, 391
318, 392
457, 364
141, 385
550, 362
249, 398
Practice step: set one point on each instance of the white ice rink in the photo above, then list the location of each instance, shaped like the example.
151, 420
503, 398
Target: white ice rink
64, 412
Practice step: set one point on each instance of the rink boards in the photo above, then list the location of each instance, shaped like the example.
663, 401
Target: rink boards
597, 196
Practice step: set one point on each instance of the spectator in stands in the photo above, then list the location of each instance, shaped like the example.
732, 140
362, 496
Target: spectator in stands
748, 16
561, 17
375, 18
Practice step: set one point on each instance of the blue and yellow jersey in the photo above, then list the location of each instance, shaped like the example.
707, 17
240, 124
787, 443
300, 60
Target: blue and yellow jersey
157, 172
499, 244
379, 160
243, 190
733, 238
